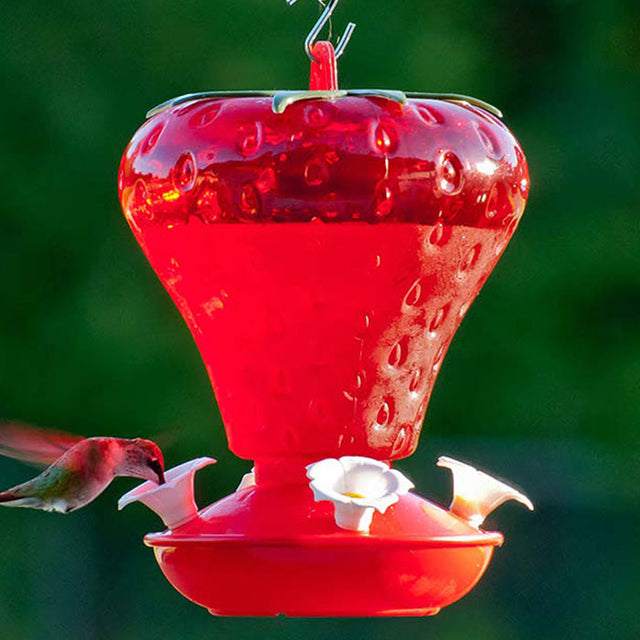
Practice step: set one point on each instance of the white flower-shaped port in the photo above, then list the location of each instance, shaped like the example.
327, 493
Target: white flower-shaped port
248, 480
357, 486
173, 501
476, 494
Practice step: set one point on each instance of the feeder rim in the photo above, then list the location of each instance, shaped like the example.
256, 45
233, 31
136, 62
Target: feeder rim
351, 539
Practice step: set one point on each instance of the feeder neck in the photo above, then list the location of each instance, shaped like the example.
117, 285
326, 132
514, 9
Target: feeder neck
289, 470
324, 68
282, 470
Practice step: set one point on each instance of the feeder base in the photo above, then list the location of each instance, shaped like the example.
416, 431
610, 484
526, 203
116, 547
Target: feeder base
271, 550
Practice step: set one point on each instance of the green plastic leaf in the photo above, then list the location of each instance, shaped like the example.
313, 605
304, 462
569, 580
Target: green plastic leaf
395, 96
283, 99
207, 94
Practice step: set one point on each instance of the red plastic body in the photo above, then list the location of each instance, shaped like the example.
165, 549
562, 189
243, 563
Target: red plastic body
323, 339
323, 258
271, 549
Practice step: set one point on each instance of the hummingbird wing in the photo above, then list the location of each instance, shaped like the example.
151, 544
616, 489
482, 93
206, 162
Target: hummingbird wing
34, 445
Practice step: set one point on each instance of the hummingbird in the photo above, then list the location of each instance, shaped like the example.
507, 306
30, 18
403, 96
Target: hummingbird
79, 470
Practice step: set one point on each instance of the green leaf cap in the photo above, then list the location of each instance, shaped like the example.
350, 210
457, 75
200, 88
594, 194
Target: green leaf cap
280, 100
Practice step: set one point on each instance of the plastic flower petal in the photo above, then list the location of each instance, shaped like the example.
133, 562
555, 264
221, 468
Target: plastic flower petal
174, 500
357, 486
476, 494
247, 480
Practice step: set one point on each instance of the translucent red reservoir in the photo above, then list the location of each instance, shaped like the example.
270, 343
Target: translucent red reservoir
323, 257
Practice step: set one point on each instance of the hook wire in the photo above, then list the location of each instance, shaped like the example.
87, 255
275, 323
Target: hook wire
319, 25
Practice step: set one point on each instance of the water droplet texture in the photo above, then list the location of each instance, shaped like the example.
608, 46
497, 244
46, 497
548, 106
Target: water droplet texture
384, 139
414, 296
438, 318
385, 414
439, 235
488, 140
316, 115
326, 335
316, 171
185, 172
470, 258
207, 115
249, 138
151, 140
449, 173
415, 380
383, 200
429, 115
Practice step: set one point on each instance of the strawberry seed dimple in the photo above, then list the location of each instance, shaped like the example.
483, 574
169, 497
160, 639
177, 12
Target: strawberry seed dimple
249, 139
437, 362
402, 441
415, 380
438, 237
316, 172
470, 259
499, 204
428, 115
383, 200
185, 172
384, 139
397, 355
449, 176
488, 141
316, 116
438, 318
414, 295
152, 139
512, 223
385, 413
207, 115
422, 409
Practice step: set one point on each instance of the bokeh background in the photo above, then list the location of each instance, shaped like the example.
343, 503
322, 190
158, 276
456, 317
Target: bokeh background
541, 384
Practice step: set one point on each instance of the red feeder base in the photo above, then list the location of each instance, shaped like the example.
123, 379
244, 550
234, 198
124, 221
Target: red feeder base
270, 549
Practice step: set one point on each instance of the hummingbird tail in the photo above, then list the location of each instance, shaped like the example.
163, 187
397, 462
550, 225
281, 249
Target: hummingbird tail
11, 499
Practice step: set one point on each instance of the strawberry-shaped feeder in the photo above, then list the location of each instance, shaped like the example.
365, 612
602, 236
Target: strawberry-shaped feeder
323, 247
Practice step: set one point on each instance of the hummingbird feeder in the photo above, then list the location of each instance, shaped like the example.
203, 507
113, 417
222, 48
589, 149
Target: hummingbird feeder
323, 247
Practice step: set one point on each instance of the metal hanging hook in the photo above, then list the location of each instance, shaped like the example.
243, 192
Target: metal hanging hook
318, 26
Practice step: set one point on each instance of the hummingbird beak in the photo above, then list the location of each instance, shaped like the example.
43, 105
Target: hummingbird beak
156, 467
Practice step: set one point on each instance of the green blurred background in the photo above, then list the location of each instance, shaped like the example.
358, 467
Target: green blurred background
541, 384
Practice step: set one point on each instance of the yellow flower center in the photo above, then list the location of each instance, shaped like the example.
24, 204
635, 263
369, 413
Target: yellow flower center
351, 494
